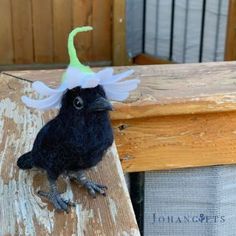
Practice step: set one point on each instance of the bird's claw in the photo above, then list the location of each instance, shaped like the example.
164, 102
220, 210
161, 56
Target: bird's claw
58, 202
94, 188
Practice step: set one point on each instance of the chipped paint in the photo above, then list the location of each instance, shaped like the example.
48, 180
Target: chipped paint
122, 177
83, 217
99, 217
133, 232
219, 99
21, 210
113, 209
23, 204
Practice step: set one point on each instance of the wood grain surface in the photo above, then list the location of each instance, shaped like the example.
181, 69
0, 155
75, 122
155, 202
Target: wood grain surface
230, 49
22, 31
119, 50
36, 31
167, 89
6, 41
170, 142
22, 212
62, 12
180, 116
43, 31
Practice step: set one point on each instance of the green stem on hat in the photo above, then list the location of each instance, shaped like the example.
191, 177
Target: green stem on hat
74, 61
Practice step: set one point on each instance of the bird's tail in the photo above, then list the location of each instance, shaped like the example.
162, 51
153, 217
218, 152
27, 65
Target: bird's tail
25, 161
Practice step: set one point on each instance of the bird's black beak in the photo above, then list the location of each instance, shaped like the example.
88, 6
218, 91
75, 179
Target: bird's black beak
100, 104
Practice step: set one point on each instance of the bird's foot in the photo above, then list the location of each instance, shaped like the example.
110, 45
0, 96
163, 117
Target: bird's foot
92, 187
55, 198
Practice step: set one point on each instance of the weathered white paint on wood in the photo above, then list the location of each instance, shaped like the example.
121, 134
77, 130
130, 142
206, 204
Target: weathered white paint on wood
22, 212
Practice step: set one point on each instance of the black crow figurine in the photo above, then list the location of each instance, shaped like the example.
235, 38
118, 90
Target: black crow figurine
77, 138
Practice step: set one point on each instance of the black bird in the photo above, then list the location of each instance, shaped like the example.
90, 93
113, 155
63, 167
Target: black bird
76, 139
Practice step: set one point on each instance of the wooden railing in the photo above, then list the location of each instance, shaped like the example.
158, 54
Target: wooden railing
182, 115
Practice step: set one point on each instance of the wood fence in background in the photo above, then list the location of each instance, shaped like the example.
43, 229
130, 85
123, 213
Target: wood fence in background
35, 31
230, 46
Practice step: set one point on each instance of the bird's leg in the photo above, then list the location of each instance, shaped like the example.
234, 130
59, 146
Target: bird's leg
55, 198
91, 186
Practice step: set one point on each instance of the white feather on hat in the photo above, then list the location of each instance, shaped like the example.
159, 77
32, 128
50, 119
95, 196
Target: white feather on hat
79, 75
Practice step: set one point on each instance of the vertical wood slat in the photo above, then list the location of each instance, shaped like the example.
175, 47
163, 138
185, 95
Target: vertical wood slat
22, 31
102, 30
119, 52
62, 25
43, 35
36, 31
230, 47
6, 44
82, 15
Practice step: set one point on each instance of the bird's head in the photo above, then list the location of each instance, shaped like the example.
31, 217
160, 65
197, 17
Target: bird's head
90, 100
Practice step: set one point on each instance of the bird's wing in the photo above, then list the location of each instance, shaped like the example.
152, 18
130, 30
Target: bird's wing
51, 135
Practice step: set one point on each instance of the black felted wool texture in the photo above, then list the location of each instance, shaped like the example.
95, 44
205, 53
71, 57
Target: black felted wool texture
74, 139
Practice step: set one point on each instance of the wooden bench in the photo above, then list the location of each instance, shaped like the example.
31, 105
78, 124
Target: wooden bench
22, 212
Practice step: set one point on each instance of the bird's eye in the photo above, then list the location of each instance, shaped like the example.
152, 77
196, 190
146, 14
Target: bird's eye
78, 103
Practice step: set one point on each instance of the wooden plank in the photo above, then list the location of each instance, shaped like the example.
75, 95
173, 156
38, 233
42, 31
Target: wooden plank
230, 49
46, 66
181, 115
6, 41
145, 59
17, 67
171, 142
102, 30
22, 31
119, 52
180, 89
42, 27
22, 212
62, 25
168, 89
82, 15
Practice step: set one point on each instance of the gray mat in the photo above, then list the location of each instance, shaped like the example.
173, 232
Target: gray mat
191, 202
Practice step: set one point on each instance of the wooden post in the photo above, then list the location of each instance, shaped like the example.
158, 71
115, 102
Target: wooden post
119, 52
22, 211
230, 47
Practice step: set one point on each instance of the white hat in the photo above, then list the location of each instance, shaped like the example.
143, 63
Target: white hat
79, 75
